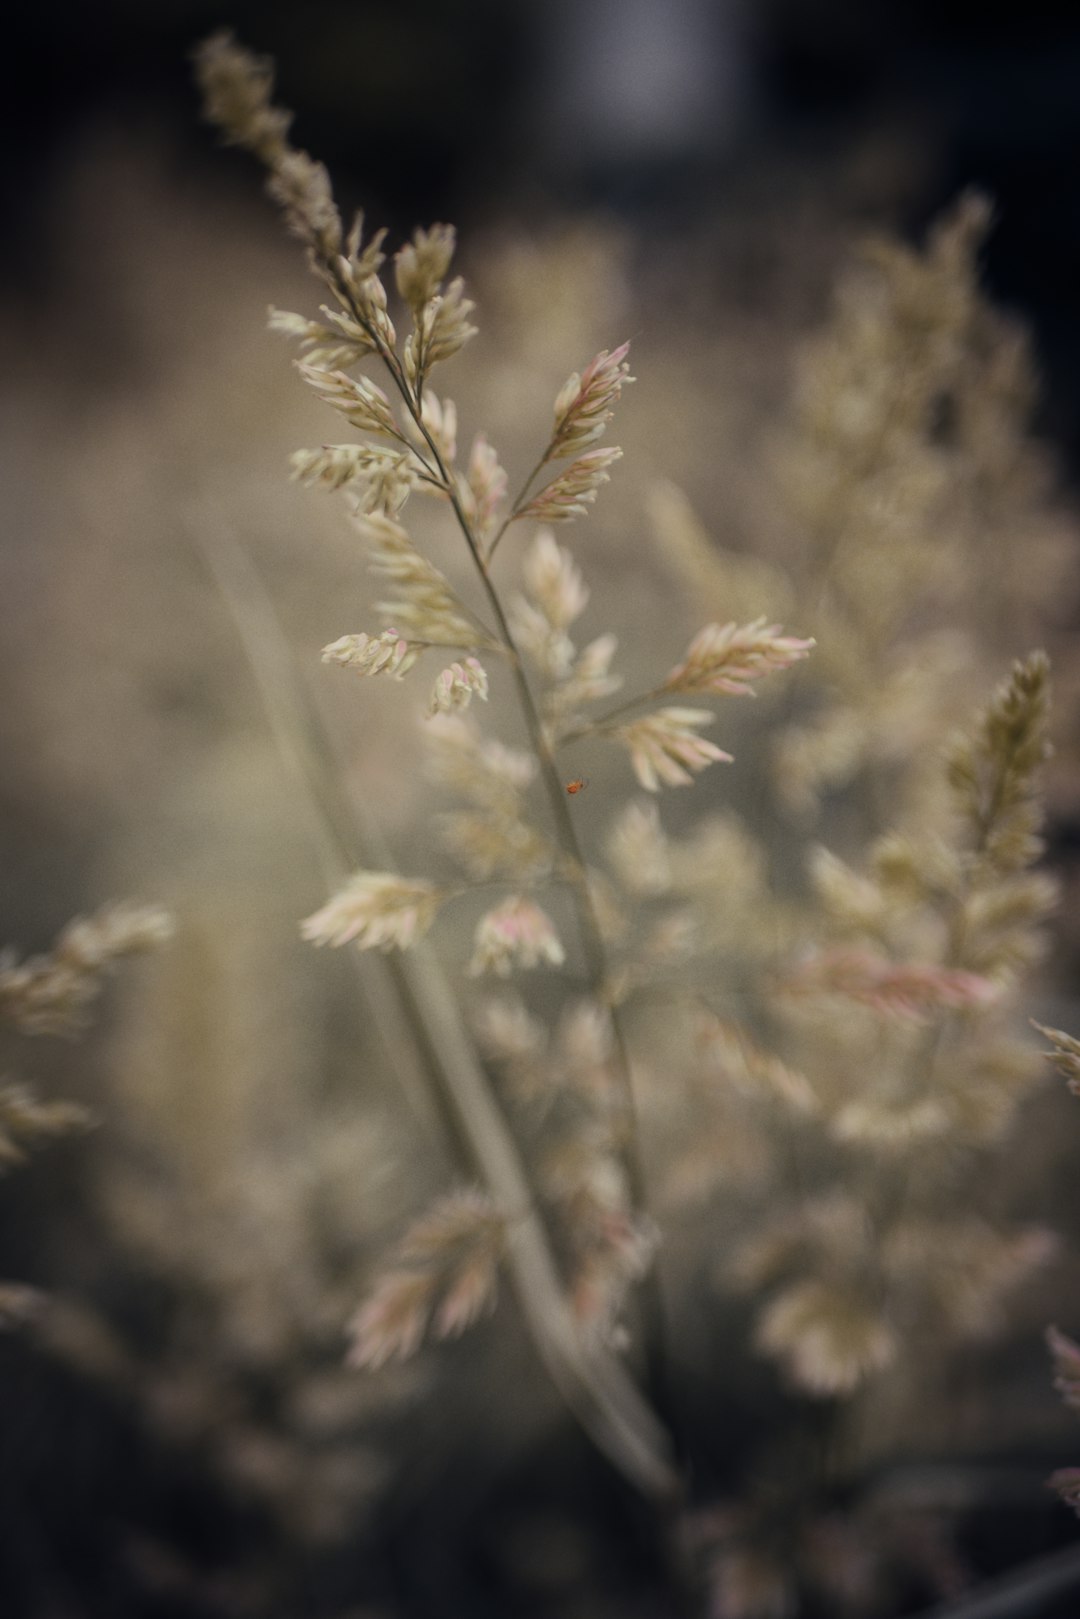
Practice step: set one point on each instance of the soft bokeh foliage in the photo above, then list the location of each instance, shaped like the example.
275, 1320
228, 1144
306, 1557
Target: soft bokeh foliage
821, 971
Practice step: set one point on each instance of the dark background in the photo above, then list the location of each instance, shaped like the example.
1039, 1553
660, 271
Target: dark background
498, 107
669, 114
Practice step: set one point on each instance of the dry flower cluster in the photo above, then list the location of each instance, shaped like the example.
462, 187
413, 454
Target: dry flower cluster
846, 1043
907, 465
52, 994
602, 1201
930, 954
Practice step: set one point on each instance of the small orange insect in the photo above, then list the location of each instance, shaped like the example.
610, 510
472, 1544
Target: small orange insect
576, 786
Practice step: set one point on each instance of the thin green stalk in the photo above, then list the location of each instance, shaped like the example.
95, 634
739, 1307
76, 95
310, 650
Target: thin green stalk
516, 508
589, 926
591, 936
602, 721
591, 1380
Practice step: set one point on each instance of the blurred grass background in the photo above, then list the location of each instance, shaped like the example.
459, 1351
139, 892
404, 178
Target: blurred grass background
689, 175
